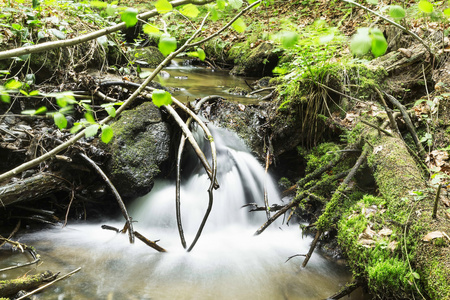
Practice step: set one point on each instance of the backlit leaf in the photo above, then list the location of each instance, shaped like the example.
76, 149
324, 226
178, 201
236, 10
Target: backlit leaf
107, 134
201, 54
150, 29
397, 12
111, 111
425, 6
167, 44
379, 43
239, 25
289, 39
163, 6
236, 4
89, 117
214, 14
13, 84
129, 16
220, 4
361, 42
190, 10
76, 128
447, 12
161, 97
34, 93
91, 130
41, 110
373, 2
60, 120
4, 96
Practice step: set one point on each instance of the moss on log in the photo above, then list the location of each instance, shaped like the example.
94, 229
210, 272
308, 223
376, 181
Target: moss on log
11, 287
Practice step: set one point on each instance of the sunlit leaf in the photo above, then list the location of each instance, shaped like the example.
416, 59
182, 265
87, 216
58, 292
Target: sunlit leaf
447, 12
288, 39
373, 2
361, 42
190, 10
60, 120
35, 3
91, 130
150, 29
57, 33
201, 54
129, 16
239, 25
397, 12
236, 4
221, 4
34, 93
76, 128
110, 10
63, 99
98, 4
107, 134
379, 43
425, 6
111, 111
214, 14
28, 112
161, 97
89, 117
167, 44
13, 84
163, 6
41, 110
103, 40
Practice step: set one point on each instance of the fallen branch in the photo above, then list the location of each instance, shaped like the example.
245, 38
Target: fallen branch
149, 243
325, 220
11, 287
408, 123
377, 128
22, 248
48, 284
129, 223
90, 36
346, 290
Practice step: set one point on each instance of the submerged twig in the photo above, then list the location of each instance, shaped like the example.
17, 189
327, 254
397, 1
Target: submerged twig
129, 222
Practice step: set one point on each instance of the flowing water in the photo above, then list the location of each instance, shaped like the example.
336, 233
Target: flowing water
228, 262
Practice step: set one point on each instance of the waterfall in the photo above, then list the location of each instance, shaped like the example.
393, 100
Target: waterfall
228, 262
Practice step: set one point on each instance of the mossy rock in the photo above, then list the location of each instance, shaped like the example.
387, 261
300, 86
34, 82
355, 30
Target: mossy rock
257, 62
138, 151
150, 55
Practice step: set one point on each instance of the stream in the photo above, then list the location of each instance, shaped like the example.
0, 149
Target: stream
228, 262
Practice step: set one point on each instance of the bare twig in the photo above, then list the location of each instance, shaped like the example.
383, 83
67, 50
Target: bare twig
149, 243
48, 284
116, 195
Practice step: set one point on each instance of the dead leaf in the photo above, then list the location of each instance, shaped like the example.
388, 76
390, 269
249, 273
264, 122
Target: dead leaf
433, 235
392, 246
385, 232
367, 243
367, 234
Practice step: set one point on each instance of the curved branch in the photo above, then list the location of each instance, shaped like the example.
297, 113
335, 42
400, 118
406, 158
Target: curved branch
90, 36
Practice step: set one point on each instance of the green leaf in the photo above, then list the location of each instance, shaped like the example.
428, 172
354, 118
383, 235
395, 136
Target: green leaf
35, 3
98, 4
91, 130
111, 111
373, 2
58, 33
214, 14
144, 74
201, 54
447, 12
361, 42
426, 6
415, 275
167, 44
30, 79
34, 93
76, 128
150, 29
13, 84
163, 6
4, 96
397, 12
110, 10
28, 112
89, 117
236, 4
62, 99
161, 97
239, 25
129, 16
60, 120
221, 4
107, 134
103, 40
41, 110
288, 39
379, 43
190, 10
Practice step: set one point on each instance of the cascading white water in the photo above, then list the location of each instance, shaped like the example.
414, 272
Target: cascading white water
228, 262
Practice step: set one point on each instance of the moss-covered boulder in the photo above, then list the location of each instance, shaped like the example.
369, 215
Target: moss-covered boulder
139, 150
257, 62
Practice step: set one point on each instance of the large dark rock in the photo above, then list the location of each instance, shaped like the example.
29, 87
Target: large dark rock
138, 151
